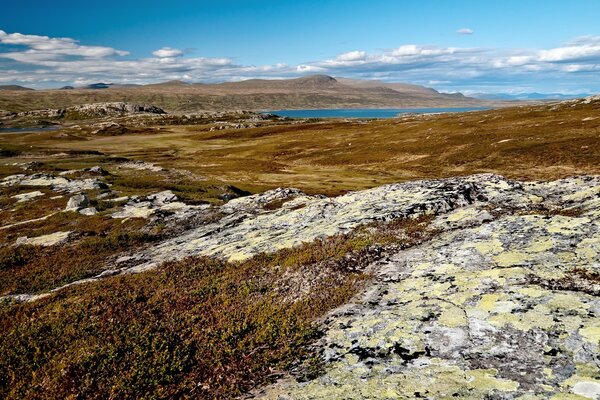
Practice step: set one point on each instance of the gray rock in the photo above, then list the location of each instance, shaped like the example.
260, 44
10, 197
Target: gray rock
88, 211
77, 202
55, 183
98, 170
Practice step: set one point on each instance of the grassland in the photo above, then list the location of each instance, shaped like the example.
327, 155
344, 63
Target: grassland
331, 157
209, 329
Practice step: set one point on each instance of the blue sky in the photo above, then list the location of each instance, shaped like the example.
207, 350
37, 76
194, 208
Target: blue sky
469, 46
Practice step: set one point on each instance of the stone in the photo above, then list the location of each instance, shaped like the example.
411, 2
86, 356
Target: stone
500, 303
98, 170
52, 239
55, 183
77, 202
23, 197
88, 211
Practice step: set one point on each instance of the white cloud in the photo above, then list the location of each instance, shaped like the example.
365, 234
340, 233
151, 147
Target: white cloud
41, 60
465, 31
167, 52
39, 47
352, 56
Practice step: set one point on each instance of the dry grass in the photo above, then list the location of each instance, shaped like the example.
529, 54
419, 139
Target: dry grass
31, 269
197, 328
336, 156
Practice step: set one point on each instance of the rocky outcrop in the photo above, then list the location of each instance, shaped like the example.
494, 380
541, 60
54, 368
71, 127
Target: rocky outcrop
23, 197
55, 183
247, 229
158, 203
502, 305
95, 110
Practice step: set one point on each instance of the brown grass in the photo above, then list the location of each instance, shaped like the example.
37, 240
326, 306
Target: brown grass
196, 328
336, 156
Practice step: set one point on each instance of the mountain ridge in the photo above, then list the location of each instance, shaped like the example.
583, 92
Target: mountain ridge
307, 92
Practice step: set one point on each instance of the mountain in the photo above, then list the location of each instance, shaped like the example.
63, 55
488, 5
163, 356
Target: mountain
173, 83
14, 87
308, 92
107, 86
527, 96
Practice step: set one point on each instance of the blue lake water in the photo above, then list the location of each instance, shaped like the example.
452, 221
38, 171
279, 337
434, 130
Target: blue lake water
367, 112
30, 129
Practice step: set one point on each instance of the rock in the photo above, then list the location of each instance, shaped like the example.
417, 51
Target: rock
77, 202
23, 197
32, 165
108, 128
166, 202
502, 307
55, 183
95, 110
141, 166
162, 197
98, 170
52, 239
88, 211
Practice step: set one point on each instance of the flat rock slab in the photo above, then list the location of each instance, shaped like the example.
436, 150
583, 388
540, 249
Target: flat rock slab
479, 312
51, 239
248, 229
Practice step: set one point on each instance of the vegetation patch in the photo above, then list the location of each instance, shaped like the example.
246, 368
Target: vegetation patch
31, 269
196, 328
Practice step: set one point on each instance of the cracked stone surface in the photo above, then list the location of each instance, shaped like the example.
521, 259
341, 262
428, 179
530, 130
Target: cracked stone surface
471, 314
247, 228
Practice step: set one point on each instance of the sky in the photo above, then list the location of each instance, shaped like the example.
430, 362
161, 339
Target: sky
507, 46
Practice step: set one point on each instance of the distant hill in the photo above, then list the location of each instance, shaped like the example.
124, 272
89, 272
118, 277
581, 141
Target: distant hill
106, 86
528, 96
309, 92
14, 87
168, 84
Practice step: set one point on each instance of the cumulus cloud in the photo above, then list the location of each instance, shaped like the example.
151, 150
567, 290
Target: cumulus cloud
167, 52
352, 56
465, 31
42, 60
40, 47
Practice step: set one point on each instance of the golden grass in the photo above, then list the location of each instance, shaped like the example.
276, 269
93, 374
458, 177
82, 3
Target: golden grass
336, 156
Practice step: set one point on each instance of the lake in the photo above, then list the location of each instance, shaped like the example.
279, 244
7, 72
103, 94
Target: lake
30, 129
367, 112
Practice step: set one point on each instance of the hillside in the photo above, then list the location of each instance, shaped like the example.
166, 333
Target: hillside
317, 91
14, 88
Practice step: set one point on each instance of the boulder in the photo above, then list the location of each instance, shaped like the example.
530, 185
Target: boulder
88, 211
51, 239
77, 202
